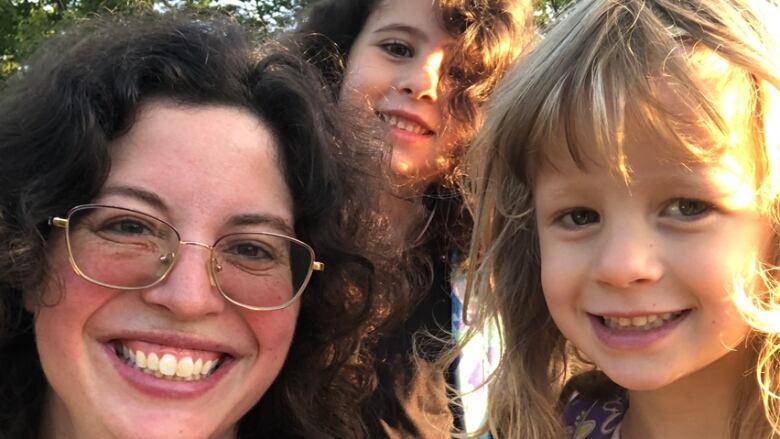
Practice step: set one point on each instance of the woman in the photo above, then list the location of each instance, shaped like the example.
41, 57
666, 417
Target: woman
420, 72
161, 213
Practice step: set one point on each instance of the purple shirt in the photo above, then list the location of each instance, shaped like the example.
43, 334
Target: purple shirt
587, 418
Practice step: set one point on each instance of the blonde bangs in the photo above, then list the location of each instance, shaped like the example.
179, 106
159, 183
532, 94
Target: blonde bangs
597, 79
606, 99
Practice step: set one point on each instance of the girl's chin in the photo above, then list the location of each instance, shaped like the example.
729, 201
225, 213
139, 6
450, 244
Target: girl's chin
637, 378
410, 179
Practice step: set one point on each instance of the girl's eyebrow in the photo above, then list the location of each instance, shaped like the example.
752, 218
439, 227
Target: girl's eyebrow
405, 28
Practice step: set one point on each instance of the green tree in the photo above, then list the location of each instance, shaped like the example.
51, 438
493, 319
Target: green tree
547, 10
25, 23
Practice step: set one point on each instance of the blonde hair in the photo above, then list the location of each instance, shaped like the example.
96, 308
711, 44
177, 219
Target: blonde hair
593, 74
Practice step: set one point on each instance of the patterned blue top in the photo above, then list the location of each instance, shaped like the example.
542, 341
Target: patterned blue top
588, 418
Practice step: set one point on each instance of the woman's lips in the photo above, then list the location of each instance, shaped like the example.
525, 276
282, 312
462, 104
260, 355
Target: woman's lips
164, 370
166, 361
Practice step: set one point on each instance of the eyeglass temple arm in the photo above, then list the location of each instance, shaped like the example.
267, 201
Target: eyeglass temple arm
56, 221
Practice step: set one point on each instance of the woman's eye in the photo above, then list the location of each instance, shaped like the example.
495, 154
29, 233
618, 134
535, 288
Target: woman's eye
127, 227
579, 217
687, 207
250, 250
397, 49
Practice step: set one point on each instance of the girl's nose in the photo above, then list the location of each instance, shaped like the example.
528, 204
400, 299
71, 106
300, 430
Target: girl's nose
421, 79
628, 257
188, 291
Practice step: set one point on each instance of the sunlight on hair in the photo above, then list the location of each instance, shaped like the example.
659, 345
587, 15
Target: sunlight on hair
770, 188
738, 181
402, 166
432, 68
761, 310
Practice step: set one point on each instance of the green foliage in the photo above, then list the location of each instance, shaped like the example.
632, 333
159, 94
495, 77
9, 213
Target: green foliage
547, 10
24, 24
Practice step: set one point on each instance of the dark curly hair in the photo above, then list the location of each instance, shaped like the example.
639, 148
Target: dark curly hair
58, 119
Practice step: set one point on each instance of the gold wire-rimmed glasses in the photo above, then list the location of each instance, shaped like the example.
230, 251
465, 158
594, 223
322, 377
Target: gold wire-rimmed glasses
125, 249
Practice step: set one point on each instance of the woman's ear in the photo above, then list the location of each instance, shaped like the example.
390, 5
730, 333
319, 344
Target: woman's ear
30, 301
49, 293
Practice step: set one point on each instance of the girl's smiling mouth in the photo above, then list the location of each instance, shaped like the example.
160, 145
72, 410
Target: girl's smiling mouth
637, 331
406, 123
641, 322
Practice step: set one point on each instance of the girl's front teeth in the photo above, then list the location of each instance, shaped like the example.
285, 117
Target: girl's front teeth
403, 124
167, 365
648, 321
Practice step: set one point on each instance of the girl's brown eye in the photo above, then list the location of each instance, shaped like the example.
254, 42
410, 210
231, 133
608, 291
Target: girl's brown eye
688, 208
692, 207
578, 217
583, 216
397, 49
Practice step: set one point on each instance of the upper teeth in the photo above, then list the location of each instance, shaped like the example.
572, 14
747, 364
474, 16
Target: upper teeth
404, 124
648, 321
167, 365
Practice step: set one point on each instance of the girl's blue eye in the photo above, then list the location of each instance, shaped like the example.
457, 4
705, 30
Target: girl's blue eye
580, 217
397, 49
687, 207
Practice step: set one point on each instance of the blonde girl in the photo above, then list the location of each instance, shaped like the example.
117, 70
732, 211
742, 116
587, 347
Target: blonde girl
626, 188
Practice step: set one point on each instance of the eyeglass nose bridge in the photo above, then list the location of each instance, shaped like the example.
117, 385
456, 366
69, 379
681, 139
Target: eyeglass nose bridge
197, 244
169, 258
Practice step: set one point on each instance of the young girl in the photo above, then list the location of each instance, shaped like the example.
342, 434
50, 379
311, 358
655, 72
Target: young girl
178, 257
420, 71
627, 185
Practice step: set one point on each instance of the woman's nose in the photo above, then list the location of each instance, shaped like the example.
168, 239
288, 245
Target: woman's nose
188, 290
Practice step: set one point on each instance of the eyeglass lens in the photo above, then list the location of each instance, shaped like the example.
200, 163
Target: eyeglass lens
127, 249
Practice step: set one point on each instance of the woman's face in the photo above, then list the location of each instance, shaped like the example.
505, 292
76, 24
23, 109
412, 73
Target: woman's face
209, 171
393, 71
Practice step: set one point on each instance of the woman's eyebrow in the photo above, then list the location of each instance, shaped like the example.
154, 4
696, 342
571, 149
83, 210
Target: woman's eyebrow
138, 193
253, 219
405, 28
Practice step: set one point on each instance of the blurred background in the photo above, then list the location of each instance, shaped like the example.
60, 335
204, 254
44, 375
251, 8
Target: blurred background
25, 23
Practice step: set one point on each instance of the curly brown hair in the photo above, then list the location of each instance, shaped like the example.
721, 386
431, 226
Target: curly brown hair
58, 120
